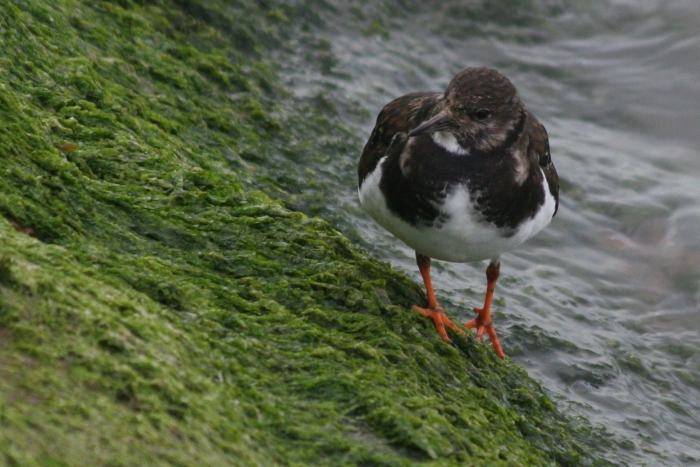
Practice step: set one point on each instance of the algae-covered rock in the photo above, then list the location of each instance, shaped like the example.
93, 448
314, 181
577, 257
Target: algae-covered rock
157, 308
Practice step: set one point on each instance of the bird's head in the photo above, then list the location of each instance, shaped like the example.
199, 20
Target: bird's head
481, 108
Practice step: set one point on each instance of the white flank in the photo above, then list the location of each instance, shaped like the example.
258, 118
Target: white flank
463, 237
448, 141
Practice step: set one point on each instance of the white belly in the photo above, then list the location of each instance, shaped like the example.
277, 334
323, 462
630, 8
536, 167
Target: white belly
463, 237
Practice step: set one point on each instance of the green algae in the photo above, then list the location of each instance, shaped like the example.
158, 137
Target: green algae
157, 308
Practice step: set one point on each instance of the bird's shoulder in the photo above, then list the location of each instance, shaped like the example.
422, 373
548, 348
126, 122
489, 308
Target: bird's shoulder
399, 116
540, 156
538, 142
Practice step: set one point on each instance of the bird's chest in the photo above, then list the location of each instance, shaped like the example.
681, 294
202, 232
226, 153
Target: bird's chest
455, 207
426, 182
457, 231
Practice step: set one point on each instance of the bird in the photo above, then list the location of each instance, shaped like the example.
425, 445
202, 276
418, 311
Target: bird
460, 176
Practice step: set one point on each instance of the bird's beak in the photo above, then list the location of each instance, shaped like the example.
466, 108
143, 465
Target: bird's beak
440, 122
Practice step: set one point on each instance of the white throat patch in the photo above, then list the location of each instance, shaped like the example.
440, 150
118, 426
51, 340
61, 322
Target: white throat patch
448, 141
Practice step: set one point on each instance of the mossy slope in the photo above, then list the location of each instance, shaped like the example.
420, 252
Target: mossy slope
156, 310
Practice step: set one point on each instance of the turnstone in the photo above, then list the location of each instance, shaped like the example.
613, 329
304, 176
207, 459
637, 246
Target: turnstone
460, 176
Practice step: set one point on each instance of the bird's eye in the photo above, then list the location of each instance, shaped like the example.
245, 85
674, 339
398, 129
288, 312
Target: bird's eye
482, 114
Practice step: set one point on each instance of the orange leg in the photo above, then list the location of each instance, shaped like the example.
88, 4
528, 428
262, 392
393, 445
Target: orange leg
434, 311
483, 322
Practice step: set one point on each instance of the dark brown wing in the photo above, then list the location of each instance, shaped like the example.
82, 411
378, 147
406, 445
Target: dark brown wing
400, 115
538, 150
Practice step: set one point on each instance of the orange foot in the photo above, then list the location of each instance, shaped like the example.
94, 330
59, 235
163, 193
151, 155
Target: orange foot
440, 319
434, 311
483, 322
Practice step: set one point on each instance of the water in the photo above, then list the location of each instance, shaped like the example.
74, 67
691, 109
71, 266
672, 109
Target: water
603, 307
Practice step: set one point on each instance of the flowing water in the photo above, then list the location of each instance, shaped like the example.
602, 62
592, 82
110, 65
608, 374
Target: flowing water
603, 307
